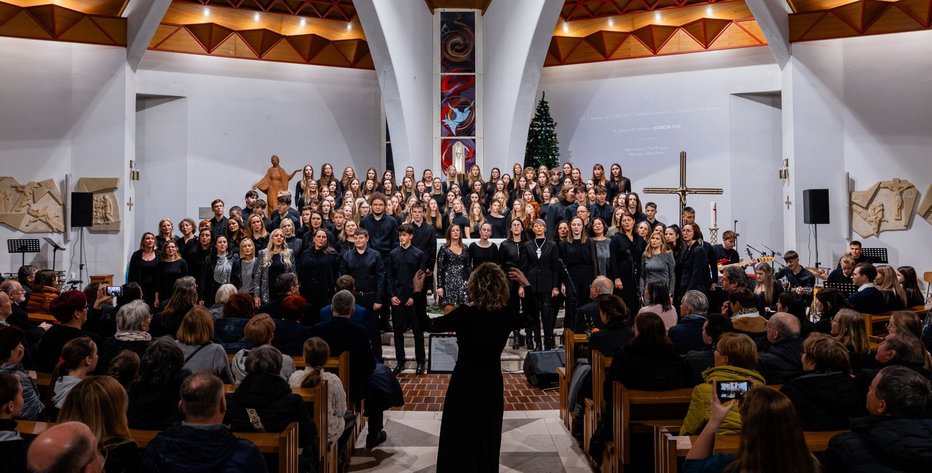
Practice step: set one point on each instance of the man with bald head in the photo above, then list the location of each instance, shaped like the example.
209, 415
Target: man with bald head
69, 447
587, 316
783, 360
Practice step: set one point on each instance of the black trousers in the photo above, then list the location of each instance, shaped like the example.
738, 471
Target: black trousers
540, 310
373, 326
404, 317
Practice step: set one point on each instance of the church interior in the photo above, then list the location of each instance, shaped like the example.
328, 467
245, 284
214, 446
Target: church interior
158, 107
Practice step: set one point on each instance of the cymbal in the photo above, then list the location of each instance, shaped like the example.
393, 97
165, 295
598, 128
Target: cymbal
821, 273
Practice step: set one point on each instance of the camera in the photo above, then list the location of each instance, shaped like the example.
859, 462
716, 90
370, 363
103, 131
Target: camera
732, 390
114, 291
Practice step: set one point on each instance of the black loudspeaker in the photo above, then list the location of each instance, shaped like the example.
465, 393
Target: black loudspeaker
815, 206
82, 209
540, 367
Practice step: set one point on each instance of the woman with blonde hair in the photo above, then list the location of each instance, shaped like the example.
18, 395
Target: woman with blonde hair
849, 329
658, 264
471, 429
766, 288
275, 260
195, 337
100, 402
256, 231
894, 295
166, 233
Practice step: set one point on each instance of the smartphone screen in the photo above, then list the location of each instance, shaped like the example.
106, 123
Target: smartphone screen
114, 291
731, 390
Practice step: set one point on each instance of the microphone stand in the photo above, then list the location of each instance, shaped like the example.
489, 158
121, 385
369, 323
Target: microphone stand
575, 298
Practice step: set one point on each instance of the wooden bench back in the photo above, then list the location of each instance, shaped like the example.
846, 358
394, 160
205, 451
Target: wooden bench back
600, 365
870, 320
633, 405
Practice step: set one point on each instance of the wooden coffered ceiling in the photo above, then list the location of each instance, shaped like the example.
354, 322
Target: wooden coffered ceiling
73, 21
831, 19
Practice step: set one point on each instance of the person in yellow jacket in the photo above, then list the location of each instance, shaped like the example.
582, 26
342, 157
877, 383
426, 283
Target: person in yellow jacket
735, 360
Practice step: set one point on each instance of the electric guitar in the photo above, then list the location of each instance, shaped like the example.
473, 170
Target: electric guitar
762, 259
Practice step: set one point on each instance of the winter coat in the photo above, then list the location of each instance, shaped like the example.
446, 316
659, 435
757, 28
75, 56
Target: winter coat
700, 406
782, 361
276, 405
881, 444
825, 401
201, 450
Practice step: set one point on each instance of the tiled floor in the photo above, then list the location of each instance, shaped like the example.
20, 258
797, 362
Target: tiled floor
426, 393
532, 441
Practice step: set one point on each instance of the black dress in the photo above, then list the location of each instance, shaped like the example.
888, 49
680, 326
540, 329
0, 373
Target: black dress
580, 262
624, 264
143, 273
166, 273
471, 430
480, 255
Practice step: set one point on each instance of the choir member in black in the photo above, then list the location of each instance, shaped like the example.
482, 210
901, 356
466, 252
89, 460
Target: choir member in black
580, 265
483, 250
171, 267
291, 238
457, 215
626, 250
318, 270
188, 240
634, 207
725, 253
402, 265
235, 233
767, 289
796, 278
315, 222
425, 238
650, 210
275, 260
347, 238
436, 218
283, 212
222, 267
383, 237
497, 219
302, 190
257, 232
693, 262
197, 257
142, 267
166, 233
453, 268
617, 182
543, 272
513, 254
367, 268
218, 223
842, 274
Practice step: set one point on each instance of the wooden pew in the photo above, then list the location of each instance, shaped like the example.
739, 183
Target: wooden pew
282, 444
573, 342
674, 447
38, 318
870, 320
595, 407
643, 411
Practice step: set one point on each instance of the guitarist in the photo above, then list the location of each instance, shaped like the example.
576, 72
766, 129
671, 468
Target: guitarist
725, 252
797, 278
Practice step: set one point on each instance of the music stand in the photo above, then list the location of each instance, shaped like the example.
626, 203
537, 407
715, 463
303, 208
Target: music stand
879, 255
846, 288
55, 248
22, 245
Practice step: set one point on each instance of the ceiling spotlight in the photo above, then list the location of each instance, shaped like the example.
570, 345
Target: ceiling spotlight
349, 26
657, 16
611, 22
303, 22
256, 17
566, 27
206, 11
708, 10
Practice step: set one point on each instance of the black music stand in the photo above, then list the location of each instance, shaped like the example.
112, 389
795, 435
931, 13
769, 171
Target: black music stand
846, 288
878, 255
22, 245
55, 249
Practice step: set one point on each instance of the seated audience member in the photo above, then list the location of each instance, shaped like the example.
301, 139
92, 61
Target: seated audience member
12, 445
45, 290
195, 337
101, 317
828, 302
735, 360
826, 396
687, 334
648, 362
342, 335
897, 436
259, 331
849, 329
154, 397
894, 296
346, 282
794, 305
900, 349
11, 356
742, 309
771, 438
70, 309
868, 299
132, 333
733, 278
587, 315
290, 333
915, 296
125, 368
263, 402
100, 403
704, 358
220, 299
67, 447
78, 360
20, 318
616, 332
202, 443
26, 275
183, 298
842, 274
658, 299
782, 360
284, 285
316, 353
237, 311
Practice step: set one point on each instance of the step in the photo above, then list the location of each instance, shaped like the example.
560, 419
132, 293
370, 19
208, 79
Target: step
388, 338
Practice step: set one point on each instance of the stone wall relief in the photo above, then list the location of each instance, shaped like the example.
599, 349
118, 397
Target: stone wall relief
106, 210
34, 207
885, 206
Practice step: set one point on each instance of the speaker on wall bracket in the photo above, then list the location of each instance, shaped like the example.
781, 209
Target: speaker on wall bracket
82, 209
815, 212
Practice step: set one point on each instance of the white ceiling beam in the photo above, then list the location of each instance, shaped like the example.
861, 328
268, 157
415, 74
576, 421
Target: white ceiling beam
142, 19
773, 18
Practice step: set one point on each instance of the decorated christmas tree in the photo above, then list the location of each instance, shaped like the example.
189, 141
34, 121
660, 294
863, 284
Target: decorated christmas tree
542, 144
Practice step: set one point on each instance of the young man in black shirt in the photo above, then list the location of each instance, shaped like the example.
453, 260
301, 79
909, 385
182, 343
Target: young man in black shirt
367, 268
218, 224
403, 264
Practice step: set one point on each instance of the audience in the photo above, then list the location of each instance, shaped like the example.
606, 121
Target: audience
290, 333
202, 443
221, 297
11, 356
195, 337
100, 403
182, 300
781, 362
316, 353
45, 290
735, 360
828, 302
69, 447
742, 309
915, 296
125, 368
868, 299
897, 436
659, 302
78, 360
826, 396
687, 334
132, 333
849, 329
894, 296
901, 349
614, 318
704, 358
587, 316
154, 397
237, 311
12, 445
259, 331
70, 309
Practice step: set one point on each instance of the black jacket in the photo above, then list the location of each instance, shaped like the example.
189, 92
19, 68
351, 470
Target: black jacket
367, 270
290, 336
401, 266
782, 361
275, 404
687, 334
825, 401
12, 447
194, 450
881, 444
695, 266
318, 271
383, 233
542, 272
868, 301
342, 335
208, 286
155, 407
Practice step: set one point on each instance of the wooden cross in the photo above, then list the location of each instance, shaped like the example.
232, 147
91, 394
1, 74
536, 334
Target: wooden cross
130, 204
788, 202
682, 191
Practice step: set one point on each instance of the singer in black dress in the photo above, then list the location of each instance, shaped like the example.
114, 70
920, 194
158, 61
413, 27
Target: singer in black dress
471, 430
625, 263
579, 263
543, 272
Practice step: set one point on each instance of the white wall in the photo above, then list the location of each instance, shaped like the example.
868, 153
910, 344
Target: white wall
63, 109
641, 113
215, 141
866, 111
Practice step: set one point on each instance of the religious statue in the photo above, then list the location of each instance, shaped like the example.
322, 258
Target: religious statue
897, 186
884, 206
459, 155
275, 180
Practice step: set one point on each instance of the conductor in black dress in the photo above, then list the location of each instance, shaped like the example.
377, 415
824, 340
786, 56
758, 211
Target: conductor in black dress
471, 430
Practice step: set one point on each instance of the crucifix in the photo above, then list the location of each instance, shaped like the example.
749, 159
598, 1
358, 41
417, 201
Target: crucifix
682, 191
130, 204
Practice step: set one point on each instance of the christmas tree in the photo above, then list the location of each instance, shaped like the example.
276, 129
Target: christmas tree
542, 144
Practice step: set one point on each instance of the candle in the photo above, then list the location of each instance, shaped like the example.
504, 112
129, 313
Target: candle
714, 215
